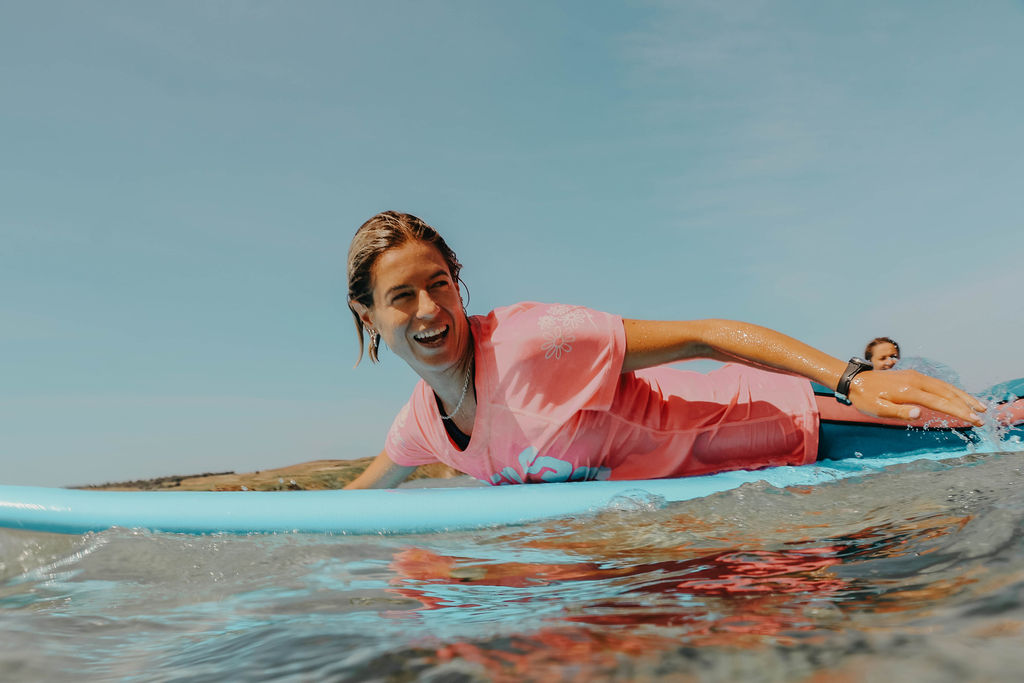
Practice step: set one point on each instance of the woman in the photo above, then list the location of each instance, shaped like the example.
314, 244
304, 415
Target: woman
548, 392
883, 353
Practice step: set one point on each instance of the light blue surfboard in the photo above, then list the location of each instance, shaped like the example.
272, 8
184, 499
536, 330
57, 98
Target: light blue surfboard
392, 511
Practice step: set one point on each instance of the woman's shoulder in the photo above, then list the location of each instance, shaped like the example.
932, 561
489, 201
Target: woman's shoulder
530, 318
550, 327
545, 314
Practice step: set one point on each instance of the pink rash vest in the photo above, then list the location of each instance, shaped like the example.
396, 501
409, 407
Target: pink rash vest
553, 405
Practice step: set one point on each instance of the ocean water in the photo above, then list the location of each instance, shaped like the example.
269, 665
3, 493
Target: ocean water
913, 574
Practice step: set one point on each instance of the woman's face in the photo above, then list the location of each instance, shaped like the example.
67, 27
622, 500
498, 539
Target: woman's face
884, 356
417, 309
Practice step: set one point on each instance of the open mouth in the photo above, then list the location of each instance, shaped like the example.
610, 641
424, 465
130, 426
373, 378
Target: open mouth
432, 337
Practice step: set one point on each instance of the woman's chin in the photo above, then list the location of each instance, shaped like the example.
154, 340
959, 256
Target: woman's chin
438, 357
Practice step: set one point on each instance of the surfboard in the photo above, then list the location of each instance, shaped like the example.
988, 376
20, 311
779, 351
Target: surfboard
412, 511
389, 511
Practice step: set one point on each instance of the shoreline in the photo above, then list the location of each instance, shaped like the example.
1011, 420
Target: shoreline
307, 476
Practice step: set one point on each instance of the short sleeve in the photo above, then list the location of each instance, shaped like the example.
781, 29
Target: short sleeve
406, 443
554, 360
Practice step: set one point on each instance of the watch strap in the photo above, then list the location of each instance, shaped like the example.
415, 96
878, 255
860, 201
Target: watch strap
853, 368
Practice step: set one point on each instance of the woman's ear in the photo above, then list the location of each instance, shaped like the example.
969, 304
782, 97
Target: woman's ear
365, 314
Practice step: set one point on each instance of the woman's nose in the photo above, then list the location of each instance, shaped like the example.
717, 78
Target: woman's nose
427, 306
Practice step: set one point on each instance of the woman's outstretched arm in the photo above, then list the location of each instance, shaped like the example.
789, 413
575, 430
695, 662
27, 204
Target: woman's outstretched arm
382, 473
896, 393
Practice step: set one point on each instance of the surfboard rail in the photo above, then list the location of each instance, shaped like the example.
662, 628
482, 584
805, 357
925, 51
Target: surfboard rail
387, 511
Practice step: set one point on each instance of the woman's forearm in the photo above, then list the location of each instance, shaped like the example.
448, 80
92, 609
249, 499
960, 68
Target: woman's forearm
650, 343
382, 473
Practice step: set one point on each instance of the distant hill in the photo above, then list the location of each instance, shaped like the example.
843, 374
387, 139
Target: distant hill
313, 475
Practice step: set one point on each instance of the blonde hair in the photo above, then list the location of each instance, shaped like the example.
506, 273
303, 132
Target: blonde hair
386, 230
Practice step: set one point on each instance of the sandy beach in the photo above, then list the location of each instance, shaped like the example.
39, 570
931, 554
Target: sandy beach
313, 475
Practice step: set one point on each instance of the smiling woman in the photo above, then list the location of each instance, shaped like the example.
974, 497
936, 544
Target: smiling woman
548, 392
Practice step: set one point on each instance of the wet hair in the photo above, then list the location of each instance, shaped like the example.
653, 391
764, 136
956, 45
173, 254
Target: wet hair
386, 230
875, 342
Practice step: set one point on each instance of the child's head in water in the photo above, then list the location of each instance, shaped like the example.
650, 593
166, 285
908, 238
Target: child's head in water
883, 353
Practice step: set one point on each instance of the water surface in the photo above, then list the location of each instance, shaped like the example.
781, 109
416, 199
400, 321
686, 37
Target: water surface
913, 574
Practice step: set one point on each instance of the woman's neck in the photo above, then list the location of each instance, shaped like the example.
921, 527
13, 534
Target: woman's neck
454, 385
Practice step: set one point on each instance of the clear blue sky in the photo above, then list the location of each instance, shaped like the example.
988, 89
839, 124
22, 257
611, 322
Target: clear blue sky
179, 182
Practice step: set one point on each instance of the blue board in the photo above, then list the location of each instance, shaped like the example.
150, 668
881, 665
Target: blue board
390, 511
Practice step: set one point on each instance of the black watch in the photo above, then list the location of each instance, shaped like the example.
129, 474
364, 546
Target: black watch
853, 368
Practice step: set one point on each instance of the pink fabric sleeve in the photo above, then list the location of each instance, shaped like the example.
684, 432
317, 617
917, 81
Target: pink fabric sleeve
406, 443
553, 360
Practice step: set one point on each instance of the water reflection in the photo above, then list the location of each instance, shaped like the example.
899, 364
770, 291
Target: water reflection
742, 598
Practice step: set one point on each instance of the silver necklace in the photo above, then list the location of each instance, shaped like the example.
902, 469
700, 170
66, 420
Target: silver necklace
462, 398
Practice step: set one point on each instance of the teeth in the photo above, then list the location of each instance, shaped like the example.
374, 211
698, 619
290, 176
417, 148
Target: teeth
429, 335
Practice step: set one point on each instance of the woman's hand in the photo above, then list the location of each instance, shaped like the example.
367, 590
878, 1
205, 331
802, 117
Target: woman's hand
898, 393
382, 473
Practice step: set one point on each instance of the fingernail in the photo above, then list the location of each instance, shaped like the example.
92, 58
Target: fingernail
915, 413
